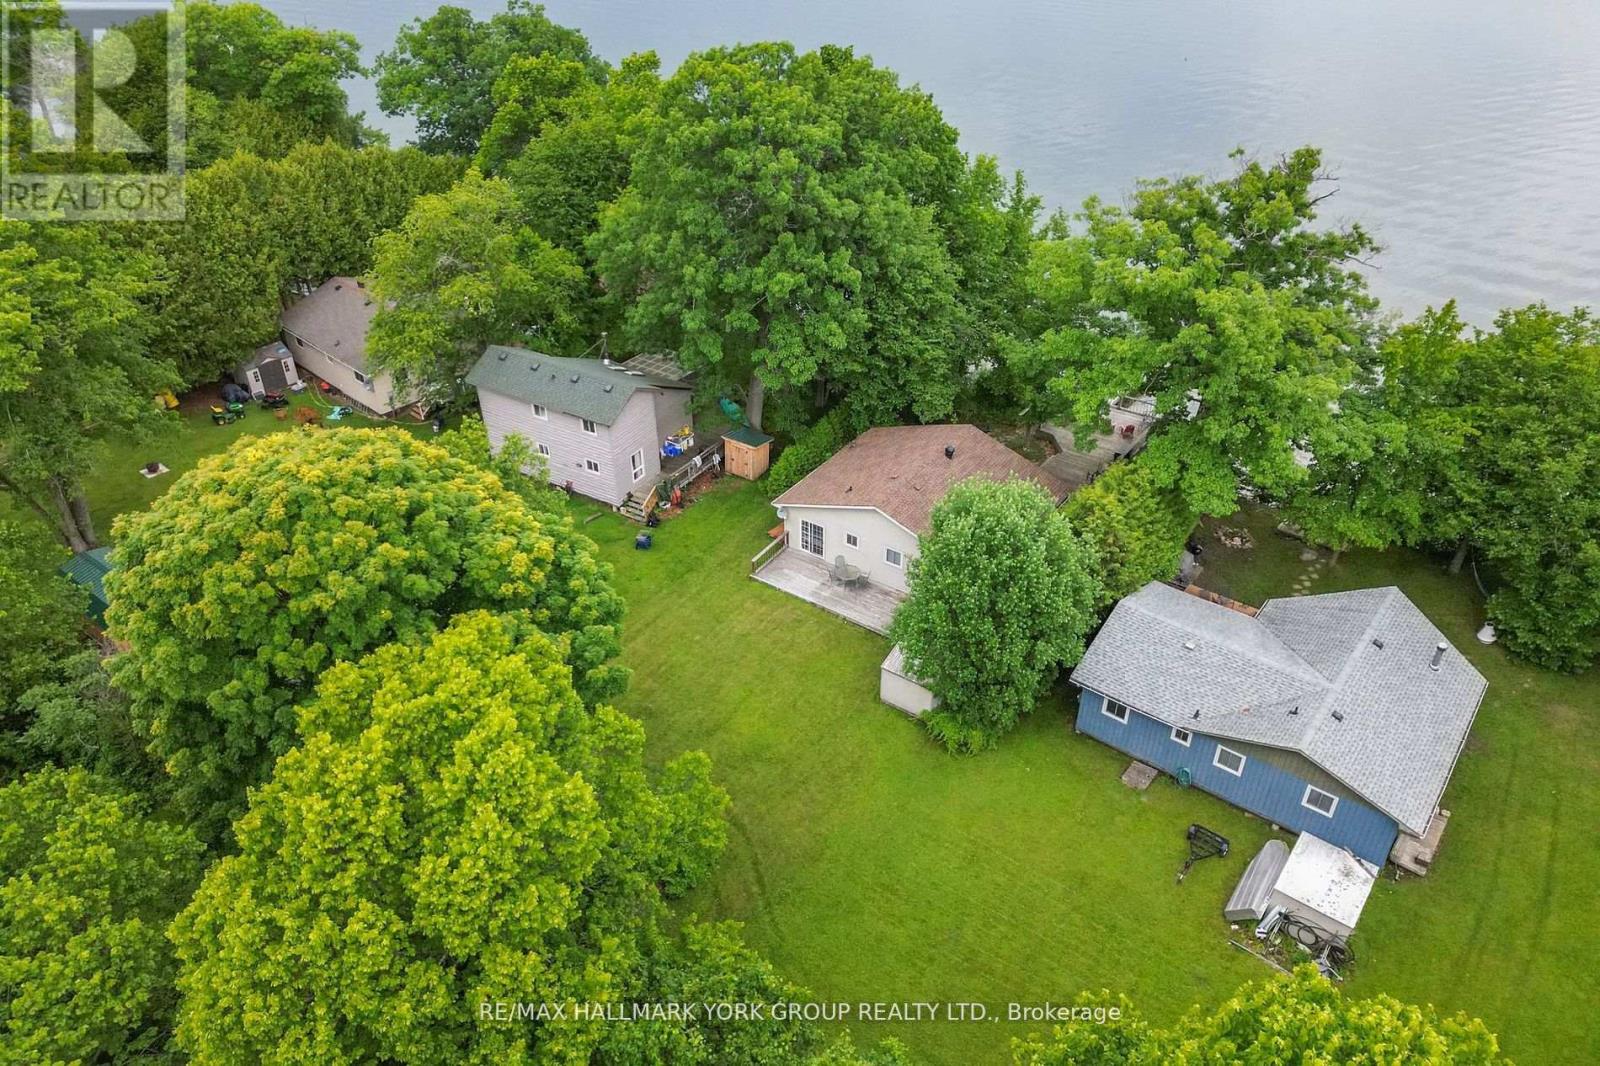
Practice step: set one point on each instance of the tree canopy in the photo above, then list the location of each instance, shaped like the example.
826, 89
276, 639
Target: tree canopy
782, 227
1225, 302
464, 270
1138, 530
41, 612
1297, 1018
75, 363
88, 883
443, 68
292, 551
1002, 597
456, 828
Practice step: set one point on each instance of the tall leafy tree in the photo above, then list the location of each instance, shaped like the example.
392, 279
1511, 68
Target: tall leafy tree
782, 228
1138, 529
1531, 392
456, 828
76, 365
41, 612
1296, 1018
88, 882
1002, 598
462, 271
292, 551
1228, 304
443, 68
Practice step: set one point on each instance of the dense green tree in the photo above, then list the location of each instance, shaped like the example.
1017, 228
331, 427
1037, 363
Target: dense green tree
1390, 466
781, 228
41, 612
519, 467
456, 828
256, 229
1137, 528
1223, 300
1297, 1018
443, 68
77, 718
462, 271
1002, 598
76, 365
1531, 487
292, 551
88, 883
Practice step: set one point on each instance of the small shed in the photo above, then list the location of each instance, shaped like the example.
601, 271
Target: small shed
1325, 885
270, 368
88, 569
900, 690
749, 452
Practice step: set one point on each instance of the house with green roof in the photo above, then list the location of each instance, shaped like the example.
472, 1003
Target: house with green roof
606, 429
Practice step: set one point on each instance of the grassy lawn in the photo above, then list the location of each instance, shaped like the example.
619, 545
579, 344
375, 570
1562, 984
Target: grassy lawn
118, 486
869, 865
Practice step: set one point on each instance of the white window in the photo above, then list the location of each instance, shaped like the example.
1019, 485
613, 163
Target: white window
893, 557
1228, 760
540, 412
851, 540
1181, 736
1323, 803
544, 449
810, 537
1112, 709
591, 466
636, 462
588, 426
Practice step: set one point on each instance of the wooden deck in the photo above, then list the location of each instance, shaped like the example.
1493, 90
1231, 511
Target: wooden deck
800, 574
1078, 468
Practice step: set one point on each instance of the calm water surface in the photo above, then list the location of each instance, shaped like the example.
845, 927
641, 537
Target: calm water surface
1465, 133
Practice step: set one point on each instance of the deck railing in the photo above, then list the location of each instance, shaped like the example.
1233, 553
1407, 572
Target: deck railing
762, 557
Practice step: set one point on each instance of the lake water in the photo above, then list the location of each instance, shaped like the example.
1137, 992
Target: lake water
1464, 133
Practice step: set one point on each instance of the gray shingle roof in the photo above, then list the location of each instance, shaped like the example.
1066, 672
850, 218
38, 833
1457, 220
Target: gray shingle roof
335, 318
585, 388
1305, 674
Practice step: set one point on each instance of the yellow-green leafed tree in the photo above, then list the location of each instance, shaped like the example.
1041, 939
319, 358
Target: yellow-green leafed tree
290, 552
88, 884
456, 829
1300, 1018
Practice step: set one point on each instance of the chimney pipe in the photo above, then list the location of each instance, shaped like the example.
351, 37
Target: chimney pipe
1438, 655
949, 451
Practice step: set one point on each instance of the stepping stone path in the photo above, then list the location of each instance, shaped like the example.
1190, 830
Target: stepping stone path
1316, 563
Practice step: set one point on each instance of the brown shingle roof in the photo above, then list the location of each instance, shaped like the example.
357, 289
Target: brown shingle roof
903, 472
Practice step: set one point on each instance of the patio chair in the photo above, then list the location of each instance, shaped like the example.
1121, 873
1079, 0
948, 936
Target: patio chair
841, 570
861, 578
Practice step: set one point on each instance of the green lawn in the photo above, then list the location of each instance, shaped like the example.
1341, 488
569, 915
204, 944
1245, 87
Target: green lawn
869, 865
118, 486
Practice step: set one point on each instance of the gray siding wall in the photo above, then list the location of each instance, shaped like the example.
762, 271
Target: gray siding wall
570, 446
635, 431
1266, 787
377, 393
672, 412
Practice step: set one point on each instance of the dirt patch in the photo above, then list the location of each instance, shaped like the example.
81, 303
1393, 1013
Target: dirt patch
1025, 440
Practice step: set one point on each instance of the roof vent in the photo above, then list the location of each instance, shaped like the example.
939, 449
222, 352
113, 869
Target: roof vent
1188, 645
1377, 642
336, 288
1197, 714
1295, 709
949, 451
1438, 655
502, 356
360, 284
606, 387
533, 366
336, 342
574, 379
1338, 716
367, 302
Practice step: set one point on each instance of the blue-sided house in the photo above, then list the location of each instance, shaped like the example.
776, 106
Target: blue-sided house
1341, 715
